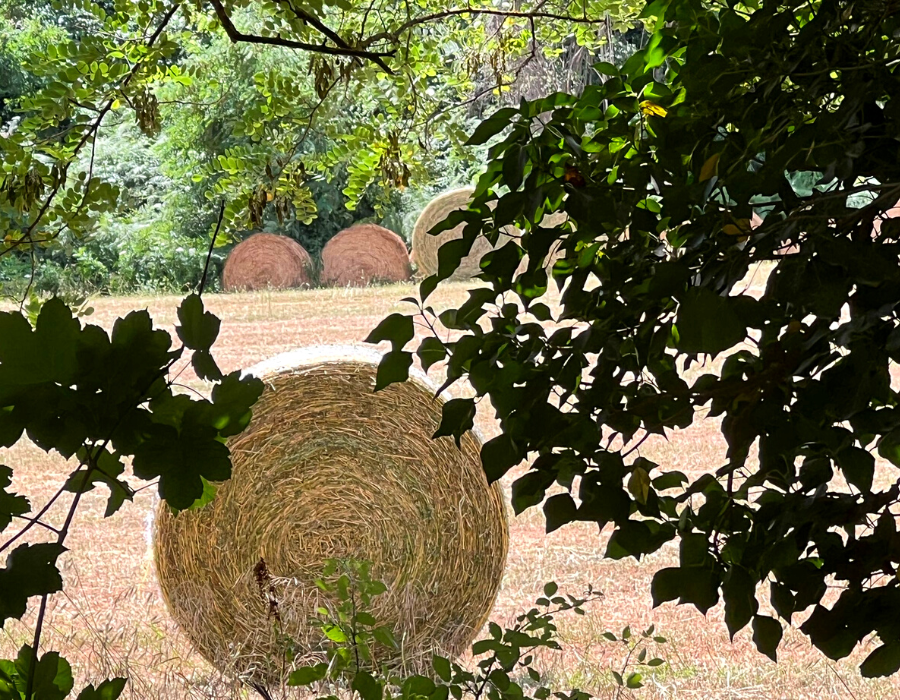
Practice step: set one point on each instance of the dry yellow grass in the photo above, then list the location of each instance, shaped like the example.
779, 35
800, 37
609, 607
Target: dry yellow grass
112, 620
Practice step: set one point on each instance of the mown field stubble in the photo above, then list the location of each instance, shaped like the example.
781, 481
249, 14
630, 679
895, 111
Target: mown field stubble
111, 618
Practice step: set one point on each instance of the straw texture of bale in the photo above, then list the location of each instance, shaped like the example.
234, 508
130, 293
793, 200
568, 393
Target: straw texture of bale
266, 261
327, 468
364, 254
425, 248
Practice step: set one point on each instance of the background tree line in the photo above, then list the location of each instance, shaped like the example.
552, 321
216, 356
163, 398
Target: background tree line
228, 114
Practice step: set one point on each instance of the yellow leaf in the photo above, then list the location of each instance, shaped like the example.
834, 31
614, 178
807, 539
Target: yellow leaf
651, 109
710, 167
733, 230
639, 485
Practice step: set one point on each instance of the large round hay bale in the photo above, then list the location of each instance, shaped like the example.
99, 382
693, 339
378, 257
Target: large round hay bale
425, 247
329, 469
363, 254
266, 261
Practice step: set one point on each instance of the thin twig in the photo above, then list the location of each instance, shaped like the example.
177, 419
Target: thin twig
639, 443
424, 19
212, 244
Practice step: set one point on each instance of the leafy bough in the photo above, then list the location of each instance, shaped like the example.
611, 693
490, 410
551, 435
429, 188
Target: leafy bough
659, 179
100, 398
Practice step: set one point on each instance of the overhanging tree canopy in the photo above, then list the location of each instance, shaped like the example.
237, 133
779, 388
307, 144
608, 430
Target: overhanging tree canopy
126, 60
756, 96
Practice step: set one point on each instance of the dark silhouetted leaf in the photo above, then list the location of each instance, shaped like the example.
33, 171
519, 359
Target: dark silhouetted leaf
457, 416
767, 635
199, 329
708, 323
559, 510
397, 328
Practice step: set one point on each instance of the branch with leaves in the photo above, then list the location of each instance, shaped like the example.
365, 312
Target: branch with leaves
341, 48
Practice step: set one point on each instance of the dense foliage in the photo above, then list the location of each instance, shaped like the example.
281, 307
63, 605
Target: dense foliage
164, 128
656, 331
358, 655
300, 128
102, 399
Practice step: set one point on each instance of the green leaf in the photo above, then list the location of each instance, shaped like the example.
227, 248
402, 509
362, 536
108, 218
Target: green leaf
47, 354
884, 661
232, 400
491, 126
11, 504
498, 456
482, 646
199, 329
559, 510
441, 692
739, 592
529, 490
889, 447
550, 589
108, 469
205, 366
30, 570
450, 255
307, 675
366, 685
397, 328
385, 636
109, 689
56, 333
428, 285
767, 635
605, 68
418, 685
669, 480
858, 466
710, 167
514, 162
457, 416
364, 618
692, 584
639, 485
209, 493
52, 675
431, 350
441, 666
394, 367
618, 678
708, 323
182, 460
335, 633
500, 679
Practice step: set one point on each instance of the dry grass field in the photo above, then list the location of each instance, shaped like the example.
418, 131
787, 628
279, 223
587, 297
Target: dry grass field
111, 619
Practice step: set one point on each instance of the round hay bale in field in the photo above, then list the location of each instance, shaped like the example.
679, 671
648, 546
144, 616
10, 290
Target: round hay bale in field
363, 254
329, 469
266, 261
425, 247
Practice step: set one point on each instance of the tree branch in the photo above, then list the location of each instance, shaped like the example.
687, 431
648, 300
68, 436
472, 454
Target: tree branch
318, 24
424, 19
237, 36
